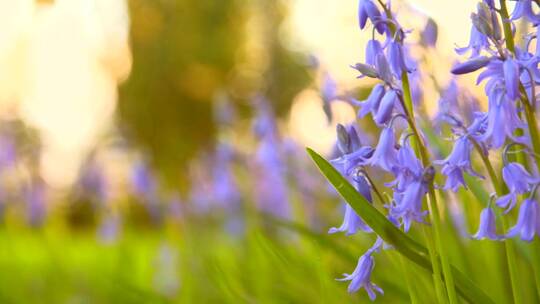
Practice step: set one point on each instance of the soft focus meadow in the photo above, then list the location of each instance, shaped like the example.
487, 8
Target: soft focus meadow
257, 151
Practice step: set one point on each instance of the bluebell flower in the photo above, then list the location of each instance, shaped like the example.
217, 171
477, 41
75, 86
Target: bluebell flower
368, 10
503, 120
528, 221
407, 168
428, 37
371, 104
383, 70
143, 181
457, 162
226, 191
271, 190
352, 154
477, 43
384, 155
361, 276
487, 228
408, 204
386, 107
511, 78
373, 48
524, 9
328, 93
352, 223
518, 181
396, 58
470, 65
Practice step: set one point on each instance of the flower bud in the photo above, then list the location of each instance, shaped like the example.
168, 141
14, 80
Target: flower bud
470, 65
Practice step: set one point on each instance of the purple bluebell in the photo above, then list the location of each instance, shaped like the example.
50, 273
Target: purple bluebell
271, 190
470, 65
429, 34
524, 9
407, 168
142, 180
518, 181
385, 154
502, 121
368, 10
372, 49
328, 93
352, 223
8, 151
226, 193
408, 204
383, 70
511, 78
361, 276
457, 162
487, 228
386, 107
477, 43
396, 58
352, 154
371, 104
528, 221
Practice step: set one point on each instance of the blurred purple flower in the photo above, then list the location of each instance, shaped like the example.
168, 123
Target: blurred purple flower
361, 276
518, 181
528, 223
385, 154
487, 228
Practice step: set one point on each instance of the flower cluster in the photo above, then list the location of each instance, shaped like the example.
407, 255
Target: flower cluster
510, 74
395, 70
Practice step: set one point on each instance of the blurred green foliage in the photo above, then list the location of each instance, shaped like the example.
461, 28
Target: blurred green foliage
183, 52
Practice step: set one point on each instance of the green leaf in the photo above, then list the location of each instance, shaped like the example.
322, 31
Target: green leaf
390, 233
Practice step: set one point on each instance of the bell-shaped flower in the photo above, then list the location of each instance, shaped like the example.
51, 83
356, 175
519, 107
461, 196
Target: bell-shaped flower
361, 276
396, 58
408, 204
524, 8
386, 107
487, 228
352, 223
518, 181
457, 162
371, 104
429, 34
368, 10
503, 120
527, 223
470, 65
511, 78
384, 155
477, 43
372, 49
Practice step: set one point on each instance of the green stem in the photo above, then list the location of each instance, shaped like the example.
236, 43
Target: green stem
510, 247
508, 244
408, 279
432, 198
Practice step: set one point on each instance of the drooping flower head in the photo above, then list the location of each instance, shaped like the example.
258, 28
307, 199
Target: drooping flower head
487, 228
361, 276
528, 222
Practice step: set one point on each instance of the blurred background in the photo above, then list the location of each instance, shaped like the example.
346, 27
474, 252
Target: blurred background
143, 144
